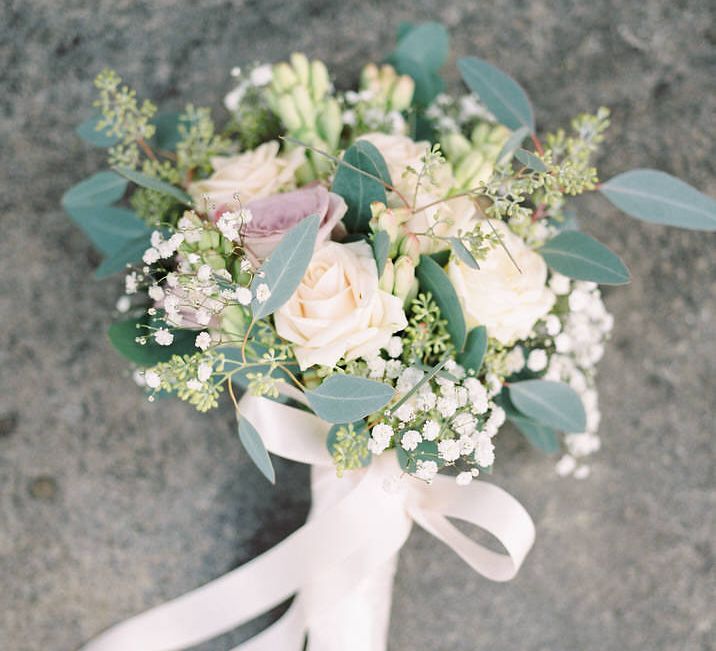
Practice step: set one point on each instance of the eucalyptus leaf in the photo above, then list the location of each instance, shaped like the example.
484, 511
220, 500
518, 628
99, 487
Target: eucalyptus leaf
153, 183
283, 270
540, 436
550, 403
581, 257
122, 335
254, 354
462, 252
347, 398
166, 136
660, 198
512, 144
358, 189
381, 245
108, 227
101, 189
502, 95
130, 253
432, 278
530, 160
429, 375
96, 137
425, 451
255, 448
475, 349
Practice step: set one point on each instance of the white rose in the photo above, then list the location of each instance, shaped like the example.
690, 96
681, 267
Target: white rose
338, 311
497, 295
446, 218
252, 175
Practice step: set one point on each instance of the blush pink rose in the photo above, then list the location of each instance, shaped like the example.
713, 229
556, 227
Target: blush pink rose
274, 215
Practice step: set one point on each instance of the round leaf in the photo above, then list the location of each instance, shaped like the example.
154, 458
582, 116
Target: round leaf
101, 189
346, 398
550, 403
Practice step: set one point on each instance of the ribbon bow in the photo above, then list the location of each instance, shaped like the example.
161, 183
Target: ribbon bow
340, 564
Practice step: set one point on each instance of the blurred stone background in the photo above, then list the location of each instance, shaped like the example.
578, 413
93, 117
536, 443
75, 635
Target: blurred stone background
109, 505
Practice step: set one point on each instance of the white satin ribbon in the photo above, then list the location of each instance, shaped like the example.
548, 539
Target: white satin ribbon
340, 564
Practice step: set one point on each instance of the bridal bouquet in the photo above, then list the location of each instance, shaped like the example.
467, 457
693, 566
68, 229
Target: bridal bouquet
387, 275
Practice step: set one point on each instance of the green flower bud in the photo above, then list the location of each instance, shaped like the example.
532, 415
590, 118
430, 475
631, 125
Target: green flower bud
234, 321
410, 246
301, 67
384, 219
455, 146
320, 82
304, 105
286, 110
330, 123
473, 169
284, 78
402, 93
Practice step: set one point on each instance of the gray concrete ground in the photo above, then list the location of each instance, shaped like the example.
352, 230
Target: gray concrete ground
109, 505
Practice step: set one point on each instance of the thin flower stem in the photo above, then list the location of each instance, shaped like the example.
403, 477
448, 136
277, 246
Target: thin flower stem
233, 397
146, 148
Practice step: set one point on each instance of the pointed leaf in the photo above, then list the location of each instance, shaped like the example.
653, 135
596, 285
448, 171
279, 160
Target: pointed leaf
660, 198
580, 256
346, 398
475, 349
152, 183
97, 138
108, 227
255, 448
502, 95
381, 246
167, 136
433, 279
360, 190
462, 252
512, 144
130, 253
101, 189
283, 270
550, 403
530, 160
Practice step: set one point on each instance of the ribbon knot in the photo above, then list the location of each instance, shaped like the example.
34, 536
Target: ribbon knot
340, 564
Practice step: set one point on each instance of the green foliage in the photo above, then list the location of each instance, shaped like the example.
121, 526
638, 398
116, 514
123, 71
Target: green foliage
348, 445
381, 246
433, 279
122, 118
283, 270
426, 336
530, 160
475, 348
550, 403
155, 184
131, 338
155, 207
130, 253
361, 181
255, 448
345, 399
178, 374
502, 95
101, 189
199, 141
580, 256
425, 451
109, 228
660, 198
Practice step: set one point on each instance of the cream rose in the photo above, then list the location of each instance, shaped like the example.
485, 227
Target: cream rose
446, 218
252, 175
497, 295
338, 311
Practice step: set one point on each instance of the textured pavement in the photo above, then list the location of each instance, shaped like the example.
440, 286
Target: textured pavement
109, 505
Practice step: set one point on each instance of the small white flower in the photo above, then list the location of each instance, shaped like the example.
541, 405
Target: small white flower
449, 450
393, 369
563, 343
243, 295
463, 479
408, 379
484, 451
578, 300
559, 284
565, 466
552, 325
204, 273
395, 347
410, 439
515, 360
582, 472
204, 372
130, 283
194, 384
537, 360
426, 470
381, 435
163, 337
447, 407
263, 293
405, 412
203, 340
497, 417
172, 279
261, 75
203, 317
152, 379
156, 293
123, 304
150, 256
431, 429
376, 368
464, 423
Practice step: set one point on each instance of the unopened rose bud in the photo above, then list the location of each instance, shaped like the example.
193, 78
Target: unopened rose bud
402, 94
384, 220
410, 246
369, 75
330, 123
233, 321
481, 133
388, 277
283, 78
311, 379
404, 270
301, 67
286, 110
320, 82
215, 260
